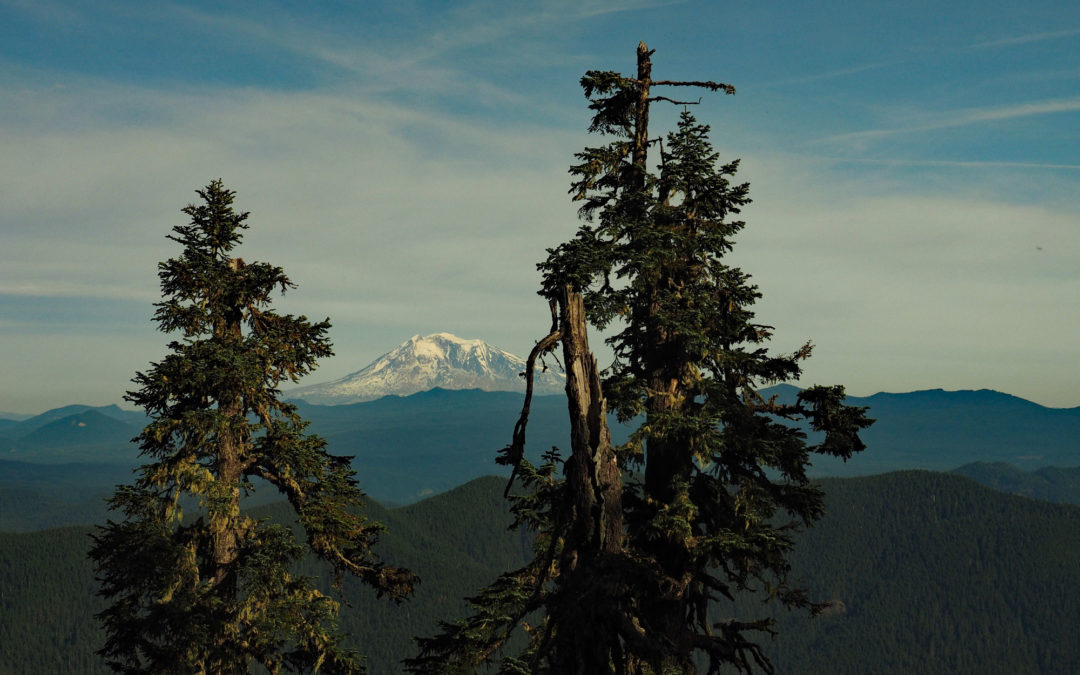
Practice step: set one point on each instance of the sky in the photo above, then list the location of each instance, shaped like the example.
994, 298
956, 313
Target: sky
914, 166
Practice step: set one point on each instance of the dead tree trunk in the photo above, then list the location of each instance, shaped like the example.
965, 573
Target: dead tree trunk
586, 640
584, 616
592, 472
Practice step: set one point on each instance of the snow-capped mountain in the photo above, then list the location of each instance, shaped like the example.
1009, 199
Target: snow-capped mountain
422, 363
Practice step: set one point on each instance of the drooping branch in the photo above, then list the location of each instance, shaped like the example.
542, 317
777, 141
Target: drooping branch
332, 543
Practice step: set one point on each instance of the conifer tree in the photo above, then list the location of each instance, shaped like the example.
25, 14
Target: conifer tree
713, 479
212, 590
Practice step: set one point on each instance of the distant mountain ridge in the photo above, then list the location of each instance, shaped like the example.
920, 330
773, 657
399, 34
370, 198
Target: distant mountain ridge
434, 412
73, 433
405, 447
29, 423
422, 363
939, 430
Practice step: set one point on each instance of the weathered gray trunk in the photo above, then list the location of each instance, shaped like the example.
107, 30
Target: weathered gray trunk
587, 618
593, 476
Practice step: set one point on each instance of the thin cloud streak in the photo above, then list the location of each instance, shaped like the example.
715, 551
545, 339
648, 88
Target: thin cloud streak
53, 289
965, 117
947, 162
402, 63
829, 75
1026, 39
45, 10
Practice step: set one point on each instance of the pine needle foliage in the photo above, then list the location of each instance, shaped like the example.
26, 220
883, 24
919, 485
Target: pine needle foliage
714, 477
211, 591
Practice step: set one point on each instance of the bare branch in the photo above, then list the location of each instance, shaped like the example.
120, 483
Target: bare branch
516, 450
708, 84
671, 100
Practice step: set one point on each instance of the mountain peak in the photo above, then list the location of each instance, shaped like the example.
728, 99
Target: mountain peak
424, 362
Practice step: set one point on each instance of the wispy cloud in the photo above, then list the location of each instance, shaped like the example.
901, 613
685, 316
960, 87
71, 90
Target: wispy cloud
1026, 39
45, 10
350, 186
60, 289
433, 63
601, 7
493, 26
831, 74
954, 163
964, 117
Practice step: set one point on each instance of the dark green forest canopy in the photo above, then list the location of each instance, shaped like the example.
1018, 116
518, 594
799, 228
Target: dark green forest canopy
35, 498
929, 572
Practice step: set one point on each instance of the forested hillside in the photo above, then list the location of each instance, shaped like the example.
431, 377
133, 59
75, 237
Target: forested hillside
930, 573
47, 603
456, 541
934, 573
1050, 483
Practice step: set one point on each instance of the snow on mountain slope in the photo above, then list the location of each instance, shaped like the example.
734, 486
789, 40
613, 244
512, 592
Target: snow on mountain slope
422, 363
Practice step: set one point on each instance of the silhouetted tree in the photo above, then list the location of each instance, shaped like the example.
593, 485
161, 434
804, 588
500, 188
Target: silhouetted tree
213, 592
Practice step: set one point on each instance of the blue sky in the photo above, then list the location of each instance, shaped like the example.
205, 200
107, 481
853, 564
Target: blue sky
914, 167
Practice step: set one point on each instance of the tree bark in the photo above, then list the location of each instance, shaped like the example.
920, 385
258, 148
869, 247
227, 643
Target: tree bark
641, 116
225, 527
587, 639
593, 475
667, 460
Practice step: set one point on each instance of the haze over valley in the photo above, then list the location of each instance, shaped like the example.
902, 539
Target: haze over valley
430, 428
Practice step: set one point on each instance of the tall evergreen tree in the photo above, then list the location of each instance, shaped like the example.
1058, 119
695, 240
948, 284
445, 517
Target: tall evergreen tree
212, 592
715, 474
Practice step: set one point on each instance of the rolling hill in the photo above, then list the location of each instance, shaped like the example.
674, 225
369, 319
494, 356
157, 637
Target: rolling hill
929, 572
